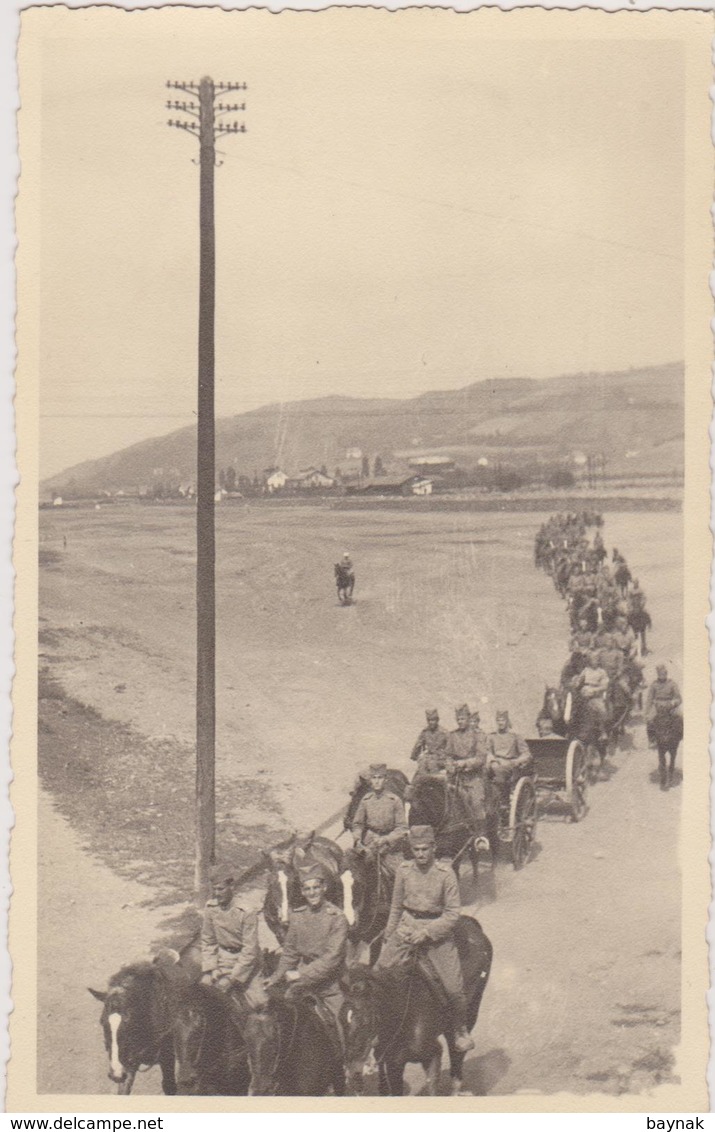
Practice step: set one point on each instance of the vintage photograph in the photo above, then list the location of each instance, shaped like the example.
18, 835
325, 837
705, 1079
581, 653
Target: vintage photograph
355, 457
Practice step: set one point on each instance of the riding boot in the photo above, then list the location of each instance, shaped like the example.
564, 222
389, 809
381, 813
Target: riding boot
462, 1040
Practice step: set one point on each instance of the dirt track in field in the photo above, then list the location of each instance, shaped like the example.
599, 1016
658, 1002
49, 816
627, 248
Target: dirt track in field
585, 987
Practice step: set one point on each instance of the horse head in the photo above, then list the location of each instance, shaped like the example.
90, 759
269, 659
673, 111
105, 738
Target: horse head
359, 1018
428, 805
128, 1021
554, 704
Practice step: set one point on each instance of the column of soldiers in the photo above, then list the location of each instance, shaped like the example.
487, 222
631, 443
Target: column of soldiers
609, 619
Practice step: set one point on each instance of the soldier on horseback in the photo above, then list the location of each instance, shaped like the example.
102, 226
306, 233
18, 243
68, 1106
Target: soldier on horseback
466, 759
663, 696
592, 683
314, 949
230, 955
379, 826
423, 916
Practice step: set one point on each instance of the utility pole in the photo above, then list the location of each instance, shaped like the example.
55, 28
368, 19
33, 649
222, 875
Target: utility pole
205, 121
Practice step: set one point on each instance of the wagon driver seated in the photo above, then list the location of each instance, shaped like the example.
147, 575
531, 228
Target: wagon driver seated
508, 756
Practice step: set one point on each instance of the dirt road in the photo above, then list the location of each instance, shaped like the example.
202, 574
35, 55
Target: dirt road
585, 987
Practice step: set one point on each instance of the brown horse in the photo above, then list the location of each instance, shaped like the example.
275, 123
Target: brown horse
283, 892
137, 1018
399, 1015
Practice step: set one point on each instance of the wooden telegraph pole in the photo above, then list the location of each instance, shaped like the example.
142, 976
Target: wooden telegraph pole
205, 122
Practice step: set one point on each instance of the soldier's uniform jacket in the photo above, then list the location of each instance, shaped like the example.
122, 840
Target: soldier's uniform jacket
624, 639
507, 745
429, 750
593, 682
380, 815
229, 942
433, 895
611, 659
663, 692
316, 945
582, 640
467, 751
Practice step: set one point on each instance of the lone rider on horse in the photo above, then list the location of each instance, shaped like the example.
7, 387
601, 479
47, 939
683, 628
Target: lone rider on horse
424, 913
379, 826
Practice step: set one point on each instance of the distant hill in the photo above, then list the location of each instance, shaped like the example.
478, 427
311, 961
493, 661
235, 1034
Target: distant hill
633, 417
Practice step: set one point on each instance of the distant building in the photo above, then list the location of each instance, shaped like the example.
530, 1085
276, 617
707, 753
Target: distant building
310, 478
275, 480
57, 501
390, 485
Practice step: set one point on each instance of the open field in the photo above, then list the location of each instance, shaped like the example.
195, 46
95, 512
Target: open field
449, 607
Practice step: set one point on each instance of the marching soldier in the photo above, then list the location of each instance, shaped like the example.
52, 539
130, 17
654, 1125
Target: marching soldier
424, 913
379, 825
429, 750
230, 955
315, 946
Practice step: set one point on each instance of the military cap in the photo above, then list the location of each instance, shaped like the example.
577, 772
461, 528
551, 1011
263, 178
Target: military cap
421, 835
222, 873
503, 715
662, 668
378, 768
312, 872
463, 709
432, 713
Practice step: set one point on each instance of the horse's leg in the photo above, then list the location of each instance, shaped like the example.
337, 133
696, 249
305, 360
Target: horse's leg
382, 1081
671, 769
662, 768
126, 1086
456, 1062
395, 1078
432, 1066
168, 1071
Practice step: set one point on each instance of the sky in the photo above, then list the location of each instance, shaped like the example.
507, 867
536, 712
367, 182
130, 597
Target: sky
415, 206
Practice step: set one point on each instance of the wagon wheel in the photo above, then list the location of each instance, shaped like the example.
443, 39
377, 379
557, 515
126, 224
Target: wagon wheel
522, 821
576, 779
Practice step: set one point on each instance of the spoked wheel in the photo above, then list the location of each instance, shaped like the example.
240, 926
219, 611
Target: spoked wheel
576, 779
522, 821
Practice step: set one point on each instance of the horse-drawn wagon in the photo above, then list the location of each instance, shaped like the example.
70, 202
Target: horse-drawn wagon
561, 772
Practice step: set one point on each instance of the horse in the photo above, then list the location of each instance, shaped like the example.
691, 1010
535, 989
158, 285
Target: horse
435, 801
400, 1015
209, 1048
572, 717
283, 893
137, 1019
345, 582
291, 1051
371, 885
665, 729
